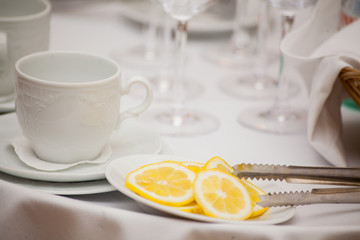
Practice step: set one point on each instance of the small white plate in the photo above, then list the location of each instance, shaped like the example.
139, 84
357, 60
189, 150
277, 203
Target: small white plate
118, 169
133, 137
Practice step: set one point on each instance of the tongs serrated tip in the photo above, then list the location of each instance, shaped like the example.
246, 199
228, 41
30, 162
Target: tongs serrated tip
308, 175
299, 174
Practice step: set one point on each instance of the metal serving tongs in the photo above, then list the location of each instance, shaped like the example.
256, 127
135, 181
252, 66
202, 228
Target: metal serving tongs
305, 175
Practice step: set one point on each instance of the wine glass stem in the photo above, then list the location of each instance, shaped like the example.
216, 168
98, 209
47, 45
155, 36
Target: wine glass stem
241, 35
178, 84
166, 55
151, 33
262, 35
283, 84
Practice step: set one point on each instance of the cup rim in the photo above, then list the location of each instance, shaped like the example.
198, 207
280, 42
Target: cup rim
66, 84
44, 12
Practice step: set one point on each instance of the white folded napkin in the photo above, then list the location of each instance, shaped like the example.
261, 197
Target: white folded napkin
319, 50
27, 155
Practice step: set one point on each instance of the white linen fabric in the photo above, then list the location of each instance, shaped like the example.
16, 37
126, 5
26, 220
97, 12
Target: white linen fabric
28, 214
320, 51
96, 27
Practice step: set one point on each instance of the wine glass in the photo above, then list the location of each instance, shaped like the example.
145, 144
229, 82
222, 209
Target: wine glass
281, 118
258, 84
240, 51
150, 57
163, 81
145, 53
178, 120
154, 55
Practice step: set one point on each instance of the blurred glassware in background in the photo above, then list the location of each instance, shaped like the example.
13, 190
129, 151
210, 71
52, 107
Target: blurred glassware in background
258, 84
178, 120
240, 51
281, 118
146, 53
151, 57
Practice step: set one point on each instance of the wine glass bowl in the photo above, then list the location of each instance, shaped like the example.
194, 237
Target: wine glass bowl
184, 10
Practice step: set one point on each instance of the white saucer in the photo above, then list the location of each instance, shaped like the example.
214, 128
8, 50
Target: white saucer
61, 188
118, 169
27, 155
69, 188
8, 106
136, 138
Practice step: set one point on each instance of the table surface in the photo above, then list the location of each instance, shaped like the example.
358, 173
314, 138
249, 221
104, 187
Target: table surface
98, 27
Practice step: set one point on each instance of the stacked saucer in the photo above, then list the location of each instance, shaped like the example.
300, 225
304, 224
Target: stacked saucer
86, 178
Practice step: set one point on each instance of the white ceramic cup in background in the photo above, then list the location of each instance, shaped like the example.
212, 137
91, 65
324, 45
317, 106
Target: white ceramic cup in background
68, 103
24, 29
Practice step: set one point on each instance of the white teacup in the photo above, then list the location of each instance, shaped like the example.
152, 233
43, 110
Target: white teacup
68, 103
24, 29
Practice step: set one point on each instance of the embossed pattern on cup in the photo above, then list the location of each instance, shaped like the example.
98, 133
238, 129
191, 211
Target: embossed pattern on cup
68, 103
67, 124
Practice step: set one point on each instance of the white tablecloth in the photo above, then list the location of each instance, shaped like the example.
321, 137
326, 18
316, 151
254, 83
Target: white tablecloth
98, 27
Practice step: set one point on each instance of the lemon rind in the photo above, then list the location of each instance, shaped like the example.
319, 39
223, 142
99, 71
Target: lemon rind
188, 198
242, 215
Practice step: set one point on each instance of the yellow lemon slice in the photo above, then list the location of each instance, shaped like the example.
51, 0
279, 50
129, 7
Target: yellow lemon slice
195, 166
218, 163
191, 208
168, 183
254, 193
222, 195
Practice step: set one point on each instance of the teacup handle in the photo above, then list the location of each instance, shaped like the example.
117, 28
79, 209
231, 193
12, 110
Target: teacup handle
135, 111
3, 53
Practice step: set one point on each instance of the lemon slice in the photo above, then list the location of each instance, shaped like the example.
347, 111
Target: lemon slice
191, 208
218, 163
222, 195
168, 183
254, 193
195, 166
